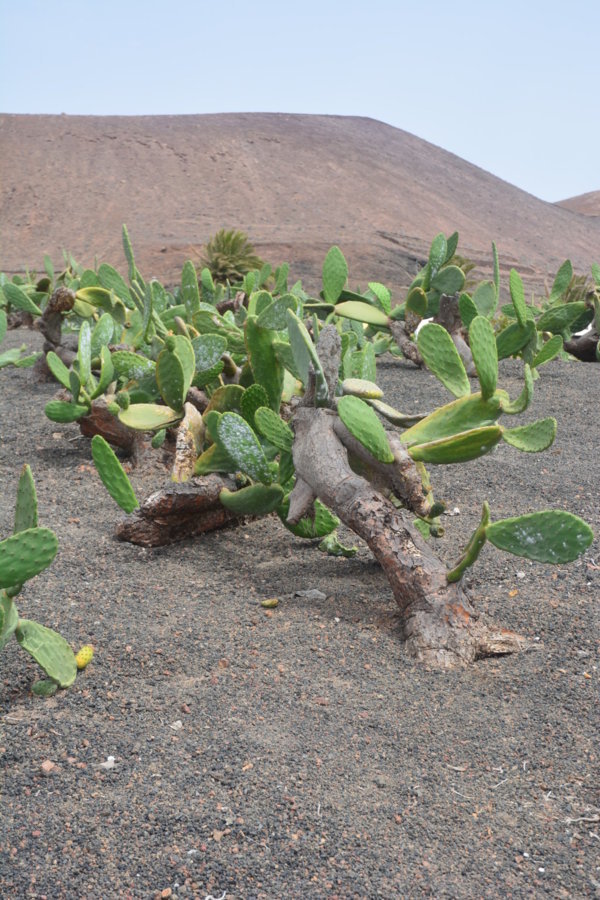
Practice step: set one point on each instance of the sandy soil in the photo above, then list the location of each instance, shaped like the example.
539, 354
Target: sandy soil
298, 752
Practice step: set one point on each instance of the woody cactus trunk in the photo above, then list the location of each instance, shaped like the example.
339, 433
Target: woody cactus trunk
439, 624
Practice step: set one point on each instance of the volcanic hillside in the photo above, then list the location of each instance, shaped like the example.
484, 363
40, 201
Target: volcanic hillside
296, 183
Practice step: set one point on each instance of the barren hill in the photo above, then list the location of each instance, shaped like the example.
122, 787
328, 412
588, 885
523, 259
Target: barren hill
295, 183
587, 204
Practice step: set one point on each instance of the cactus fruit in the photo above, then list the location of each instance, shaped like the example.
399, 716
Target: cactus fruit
49, 649
363, 423
442, 358
255, 500
113, 475
84, 656
26, 554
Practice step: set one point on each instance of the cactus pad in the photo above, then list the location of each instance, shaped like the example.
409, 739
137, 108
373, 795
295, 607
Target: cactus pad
458, 448
255, 500
241, 445
549, 536
335, 274
460, 415
50, 651
274, 429
361, 387
149, 416
61, 411
9, 618
362, 312
113, 475
26, 554
485, 356
26, 505
362, 422
442, 358
532, 438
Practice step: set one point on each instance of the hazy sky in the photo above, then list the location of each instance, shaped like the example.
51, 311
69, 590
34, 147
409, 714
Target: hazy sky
513, 87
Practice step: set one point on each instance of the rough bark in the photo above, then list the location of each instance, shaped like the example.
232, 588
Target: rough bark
439, 624
178, 511
584, 346
101, 421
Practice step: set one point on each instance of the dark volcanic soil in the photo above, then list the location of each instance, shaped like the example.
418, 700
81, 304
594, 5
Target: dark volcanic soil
298, 752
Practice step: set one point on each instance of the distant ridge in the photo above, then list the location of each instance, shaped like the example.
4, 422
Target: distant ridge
295, 183
586, 204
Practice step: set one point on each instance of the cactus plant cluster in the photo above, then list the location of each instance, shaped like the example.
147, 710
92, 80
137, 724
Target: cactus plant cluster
270, 402
23, 555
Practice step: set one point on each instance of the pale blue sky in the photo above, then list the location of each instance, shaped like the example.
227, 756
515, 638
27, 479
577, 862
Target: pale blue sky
513, 87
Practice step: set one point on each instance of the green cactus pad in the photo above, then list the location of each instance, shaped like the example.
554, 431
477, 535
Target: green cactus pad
226, 399
361, 387
442, 358
548, 351
517, 295
548, 536
332, 547
215, 459
113, 475
416, 302
19, 299
403, 420
562, 280
58, 369
485, 356
384, 298
467, 309
274, 316
3, 324
458, 448
305, 356
84, 352
131, 366
26, 554
263, 360
513, 338
362, 422
559, 318
26, 507
274, 429
335, 274
253, 398
532, 438
107, 373
190, 293
461, 415
363, 365
286, 468
521, 403
322, 522
9, 618
45, 687
171, 380
149, 416
208, 350
50, 651
102, 334
362, 312
255, 500
473, 548
485, 298
449, 280
61, 411
241, 445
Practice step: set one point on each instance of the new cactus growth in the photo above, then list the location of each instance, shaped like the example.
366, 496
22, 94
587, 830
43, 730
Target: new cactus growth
25, 554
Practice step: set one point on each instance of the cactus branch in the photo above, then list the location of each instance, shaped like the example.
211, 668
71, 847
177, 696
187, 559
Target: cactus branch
440, 626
